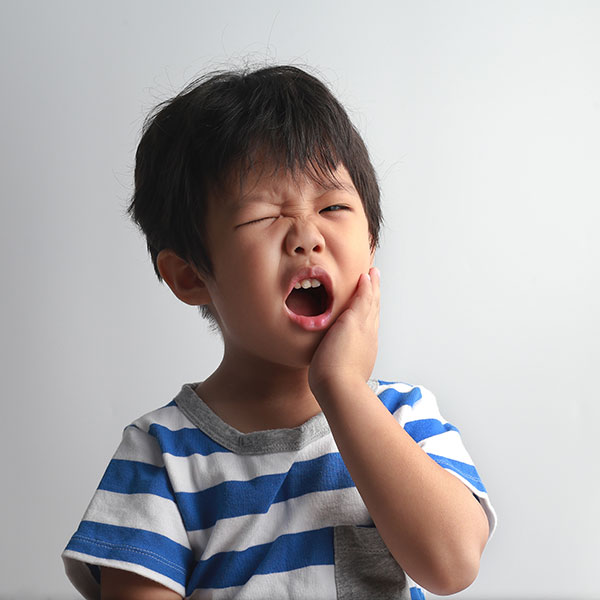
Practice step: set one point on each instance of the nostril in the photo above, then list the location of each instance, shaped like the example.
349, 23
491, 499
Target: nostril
300, 249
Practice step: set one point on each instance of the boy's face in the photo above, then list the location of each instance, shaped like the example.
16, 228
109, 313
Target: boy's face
287, 254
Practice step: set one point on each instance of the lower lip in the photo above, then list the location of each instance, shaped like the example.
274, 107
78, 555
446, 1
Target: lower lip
316, 323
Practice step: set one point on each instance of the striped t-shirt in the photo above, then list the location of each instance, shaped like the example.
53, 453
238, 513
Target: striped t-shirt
209, 512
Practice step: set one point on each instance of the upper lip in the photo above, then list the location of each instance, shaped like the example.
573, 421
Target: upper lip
312, 272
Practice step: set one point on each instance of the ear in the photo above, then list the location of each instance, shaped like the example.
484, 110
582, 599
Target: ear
183, 279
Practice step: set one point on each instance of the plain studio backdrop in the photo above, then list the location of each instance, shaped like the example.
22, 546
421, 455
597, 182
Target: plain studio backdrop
483, 121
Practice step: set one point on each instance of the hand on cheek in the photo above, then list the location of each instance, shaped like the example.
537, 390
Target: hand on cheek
347, 352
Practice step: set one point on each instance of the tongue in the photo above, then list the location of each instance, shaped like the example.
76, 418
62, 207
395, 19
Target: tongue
308, 303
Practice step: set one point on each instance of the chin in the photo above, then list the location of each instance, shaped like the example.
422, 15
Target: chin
301, 356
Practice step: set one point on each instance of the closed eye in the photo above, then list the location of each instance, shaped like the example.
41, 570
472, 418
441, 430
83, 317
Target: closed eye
254, 221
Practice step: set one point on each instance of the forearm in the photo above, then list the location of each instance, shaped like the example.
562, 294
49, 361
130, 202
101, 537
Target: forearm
116, 584
430, 521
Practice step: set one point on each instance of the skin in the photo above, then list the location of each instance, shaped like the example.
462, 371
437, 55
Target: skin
277, 374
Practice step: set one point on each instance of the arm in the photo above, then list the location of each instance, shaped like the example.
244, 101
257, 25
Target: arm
431, 523
117, 584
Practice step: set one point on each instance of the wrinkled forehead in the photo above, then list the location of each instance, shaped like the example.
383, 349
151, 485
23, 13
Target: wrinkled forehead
260, 177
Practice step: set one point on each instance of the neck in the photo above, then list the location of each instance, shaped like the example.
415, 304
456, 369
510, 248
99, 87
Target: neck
253, 395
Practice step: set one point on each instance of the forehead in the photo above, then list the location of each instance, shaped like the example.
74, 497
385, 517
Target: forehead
264, 182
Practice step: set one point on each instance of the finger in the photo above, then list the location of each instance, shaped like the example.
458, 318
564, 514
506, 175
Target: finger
375, 276
364, 285
362, 299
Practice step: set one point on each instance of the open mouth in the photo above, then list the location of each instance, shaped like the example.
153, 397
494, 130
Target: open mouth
308, 298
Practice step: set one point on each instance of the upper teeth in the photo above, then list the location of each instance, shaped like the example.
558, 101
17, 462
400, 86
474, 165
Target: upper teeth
307, 283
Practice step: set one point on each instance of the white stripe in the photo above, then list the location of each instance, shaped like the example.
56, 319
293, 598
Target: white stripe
447, 444
489, 511
316, 582
196, 473
139, 446
424, 408
399, 386
308, 512
140, 511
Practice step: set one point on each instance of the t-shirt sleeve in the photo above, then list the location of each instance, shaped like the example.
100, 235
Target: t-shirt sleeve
132, 523
416, 409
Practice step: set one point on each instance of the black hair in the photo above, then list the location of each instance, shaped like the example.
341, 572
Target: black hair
192, 143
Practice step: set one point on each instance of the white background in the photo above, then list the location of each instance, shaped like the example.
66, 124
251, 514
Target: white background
483, 121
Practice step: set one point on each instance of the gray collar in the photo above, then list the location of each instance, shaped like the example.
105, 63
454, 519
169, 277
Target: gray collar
257, 442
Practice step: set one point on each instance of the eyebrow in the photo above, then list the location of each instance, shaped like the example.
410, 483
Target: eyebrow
325, 185
322, 186
254, 197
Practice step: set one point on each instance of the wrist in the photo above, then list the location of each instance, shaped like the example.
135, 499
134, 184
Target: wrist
337, 388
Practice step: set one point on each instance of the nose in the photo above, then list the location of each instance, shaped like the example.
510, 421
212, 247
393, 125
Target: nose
304, 237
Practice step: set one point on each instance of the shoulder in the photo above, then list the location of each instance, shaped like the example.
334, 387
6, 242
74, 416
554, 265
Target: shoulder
169, 415
416, 409
165, 430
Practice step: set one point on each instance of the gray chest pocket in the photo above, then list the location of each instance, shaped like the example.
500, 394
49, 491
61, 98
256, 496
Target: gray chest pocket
364, 567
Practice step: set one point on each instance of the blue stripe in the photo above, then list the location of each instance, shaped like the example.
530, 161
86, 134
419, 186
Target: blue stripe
393, 399
468, 472
184, 442
416, 594
421, 429
137, 546
287, 552
203, 509
132, 477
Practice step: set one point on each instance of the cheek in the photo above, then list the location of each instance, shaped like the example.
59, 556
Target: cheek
241, 294
259, 247
360, 254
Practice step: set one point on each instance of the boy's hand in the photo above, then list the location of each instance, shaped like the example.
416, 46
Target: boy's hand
346, 355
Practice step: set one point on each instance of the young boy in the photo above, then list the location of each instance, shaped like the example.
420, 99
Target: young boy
288, 472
